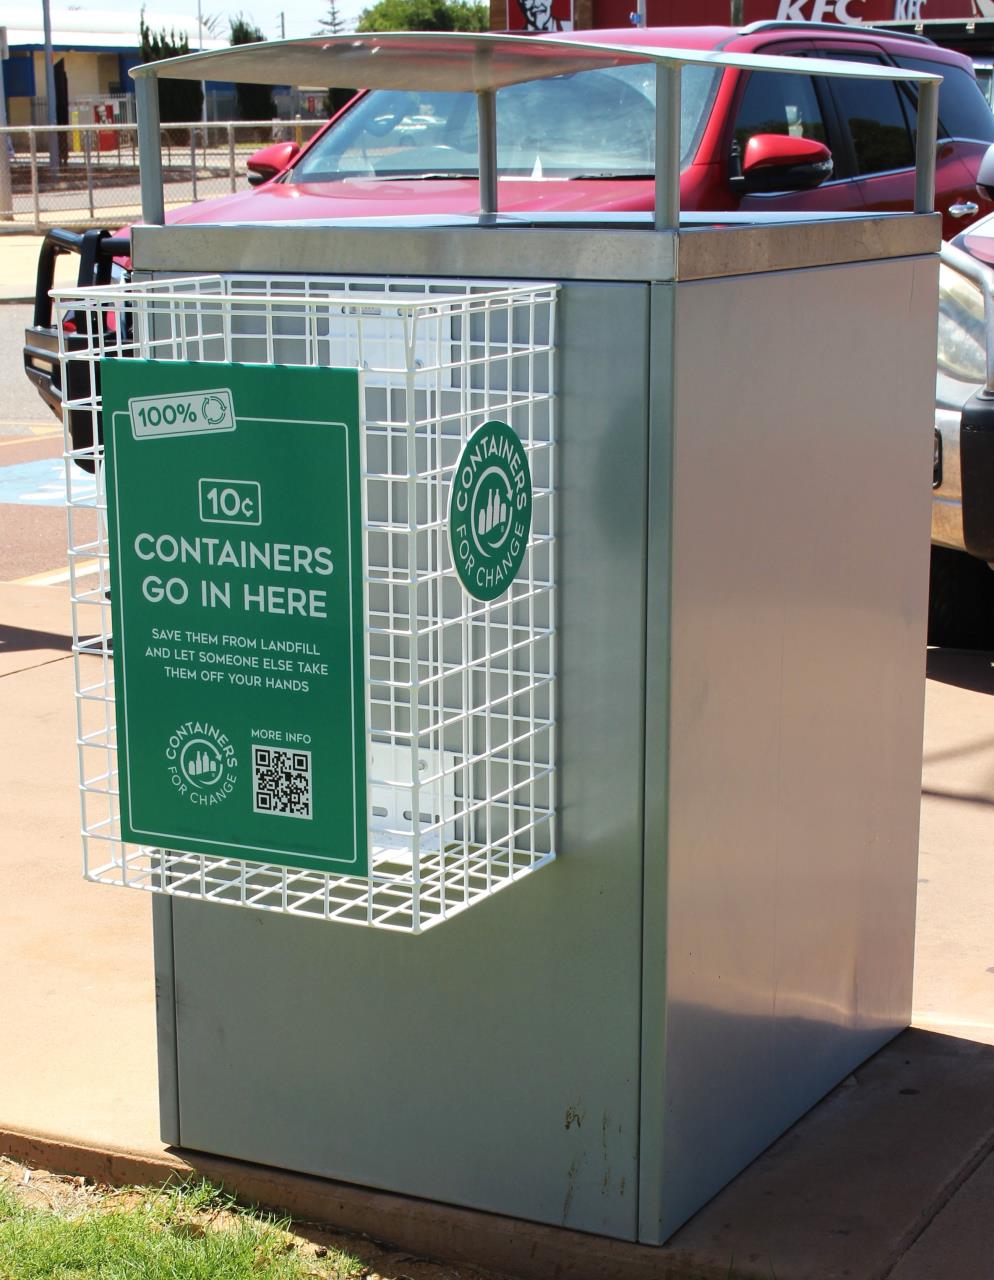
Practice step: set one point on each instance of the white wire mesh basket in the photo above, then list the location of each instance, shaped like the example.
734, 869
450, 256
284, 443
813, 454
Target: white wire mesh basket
459, 692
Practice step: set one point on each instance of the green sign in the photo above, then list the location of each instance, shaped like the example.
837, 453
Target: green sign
490, 511
234, 508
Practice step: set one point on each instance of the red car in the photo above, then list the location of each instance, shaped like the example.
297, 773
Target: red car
584, 143
751, 141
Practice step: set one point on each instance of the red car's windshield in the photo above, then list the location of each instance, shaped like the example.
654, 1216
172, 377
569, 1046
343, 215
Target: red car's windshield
592, 124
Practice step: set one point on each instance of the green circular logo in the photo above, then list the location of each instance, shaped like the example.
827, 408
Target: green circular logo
490, 511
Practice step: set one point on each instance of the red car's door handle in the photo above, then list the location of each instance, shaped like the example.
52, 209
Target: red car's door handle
964, 209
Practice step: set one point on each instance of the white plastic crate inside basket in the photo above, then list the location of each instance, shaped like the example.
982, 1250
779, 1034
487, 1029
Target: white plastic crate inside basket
460, 693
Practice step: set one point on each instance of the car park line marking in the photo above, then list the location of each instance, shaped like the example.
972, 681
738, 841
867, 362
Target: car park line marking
51, 578
31, 438
43, 483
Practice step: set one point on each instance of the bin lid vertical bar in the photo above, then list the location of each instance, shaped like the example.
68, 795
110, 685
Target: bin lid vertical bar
928, 128
486, 110
667, 164
150, 149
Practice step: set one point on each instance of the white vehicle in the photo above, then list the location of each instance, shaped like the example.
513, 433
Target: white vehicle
961, 606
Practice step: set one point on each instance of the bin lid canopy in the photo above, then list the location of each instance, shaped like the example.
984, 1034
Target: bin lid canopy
461, 61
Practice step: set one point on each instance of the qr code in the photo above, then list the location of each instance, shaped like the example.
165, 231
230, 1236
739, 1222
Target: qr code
281, 782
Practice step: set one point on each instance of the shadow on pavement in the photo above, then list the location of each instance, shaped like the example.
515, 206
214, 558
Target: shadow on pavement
961, 797
965, 668
26, 639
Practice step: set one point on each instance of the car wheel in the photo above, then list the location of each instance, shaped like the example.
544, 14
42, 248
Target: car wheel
960, 601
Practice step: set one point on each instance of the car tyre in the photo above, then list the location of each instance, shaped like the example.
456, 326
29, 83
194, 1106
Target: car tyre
960, 601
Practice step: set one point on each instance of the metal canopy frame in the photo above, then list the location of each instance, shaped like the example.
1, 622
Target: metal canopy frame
482, 64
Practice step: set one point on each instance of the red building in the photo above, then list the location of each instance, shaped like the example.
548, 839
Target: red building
558, 15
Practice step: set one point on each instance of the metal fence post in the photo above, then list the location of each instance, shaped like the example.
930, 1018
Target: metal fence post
6, 186
6, 146
87, 142
231, 155
33, 143
193, 161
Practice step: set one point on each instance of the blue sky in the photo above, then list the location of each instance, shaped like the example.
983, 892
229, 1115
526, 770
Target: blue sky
302, 17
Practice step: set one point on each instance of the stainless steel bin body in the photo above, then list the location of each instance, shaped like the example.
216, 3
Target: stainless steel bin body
744, 435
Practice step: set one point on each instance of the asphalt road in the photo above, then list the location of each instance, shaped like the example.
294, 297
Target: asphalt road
32, 517
19, 402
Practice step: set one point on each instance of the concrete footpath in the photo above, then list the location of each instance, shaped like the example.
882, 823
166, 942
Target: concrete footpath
892, 1175
19, 266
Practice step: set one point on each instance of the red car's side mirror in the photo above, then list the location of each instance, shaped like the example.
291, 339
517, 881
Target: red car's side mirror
269, 161
778, 162
985, 174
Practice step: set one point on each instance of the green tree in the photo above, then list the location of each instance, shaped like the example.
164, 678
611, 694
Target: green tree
178, 99
331, 24
253, 101
425, 15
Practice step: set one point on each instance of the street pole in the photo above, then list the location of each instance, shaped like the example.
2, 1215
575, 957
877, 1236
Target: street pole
6, 194
282, 25
202, 83
53, 137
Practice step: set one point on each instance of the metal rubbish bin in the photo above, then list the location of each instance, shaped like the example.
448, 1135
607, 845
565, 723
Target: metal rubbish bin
448, 551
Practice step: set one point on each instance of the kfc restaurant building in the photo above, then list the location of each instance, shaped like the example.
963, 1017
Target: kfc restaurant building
567, 15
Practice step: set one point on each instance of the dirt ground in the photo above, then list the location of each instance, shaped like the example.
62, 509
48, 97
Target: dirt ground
36, 1188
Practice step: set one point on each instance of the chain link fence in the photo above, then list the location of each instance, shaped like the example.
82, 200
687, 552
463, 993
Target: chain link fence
86, 175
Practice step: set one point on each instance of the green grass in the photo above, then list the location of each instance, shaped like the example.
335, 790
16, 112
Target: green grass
191, 1232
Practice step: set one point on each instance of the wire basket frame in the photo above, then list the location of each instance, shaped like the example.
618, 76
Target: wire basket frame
460, 693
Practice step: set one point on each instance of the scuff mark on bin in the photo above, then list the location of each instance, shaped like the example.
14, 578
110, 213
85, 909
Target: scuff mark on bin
576, 1164
575, 1115
606, 1180
568, 1201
